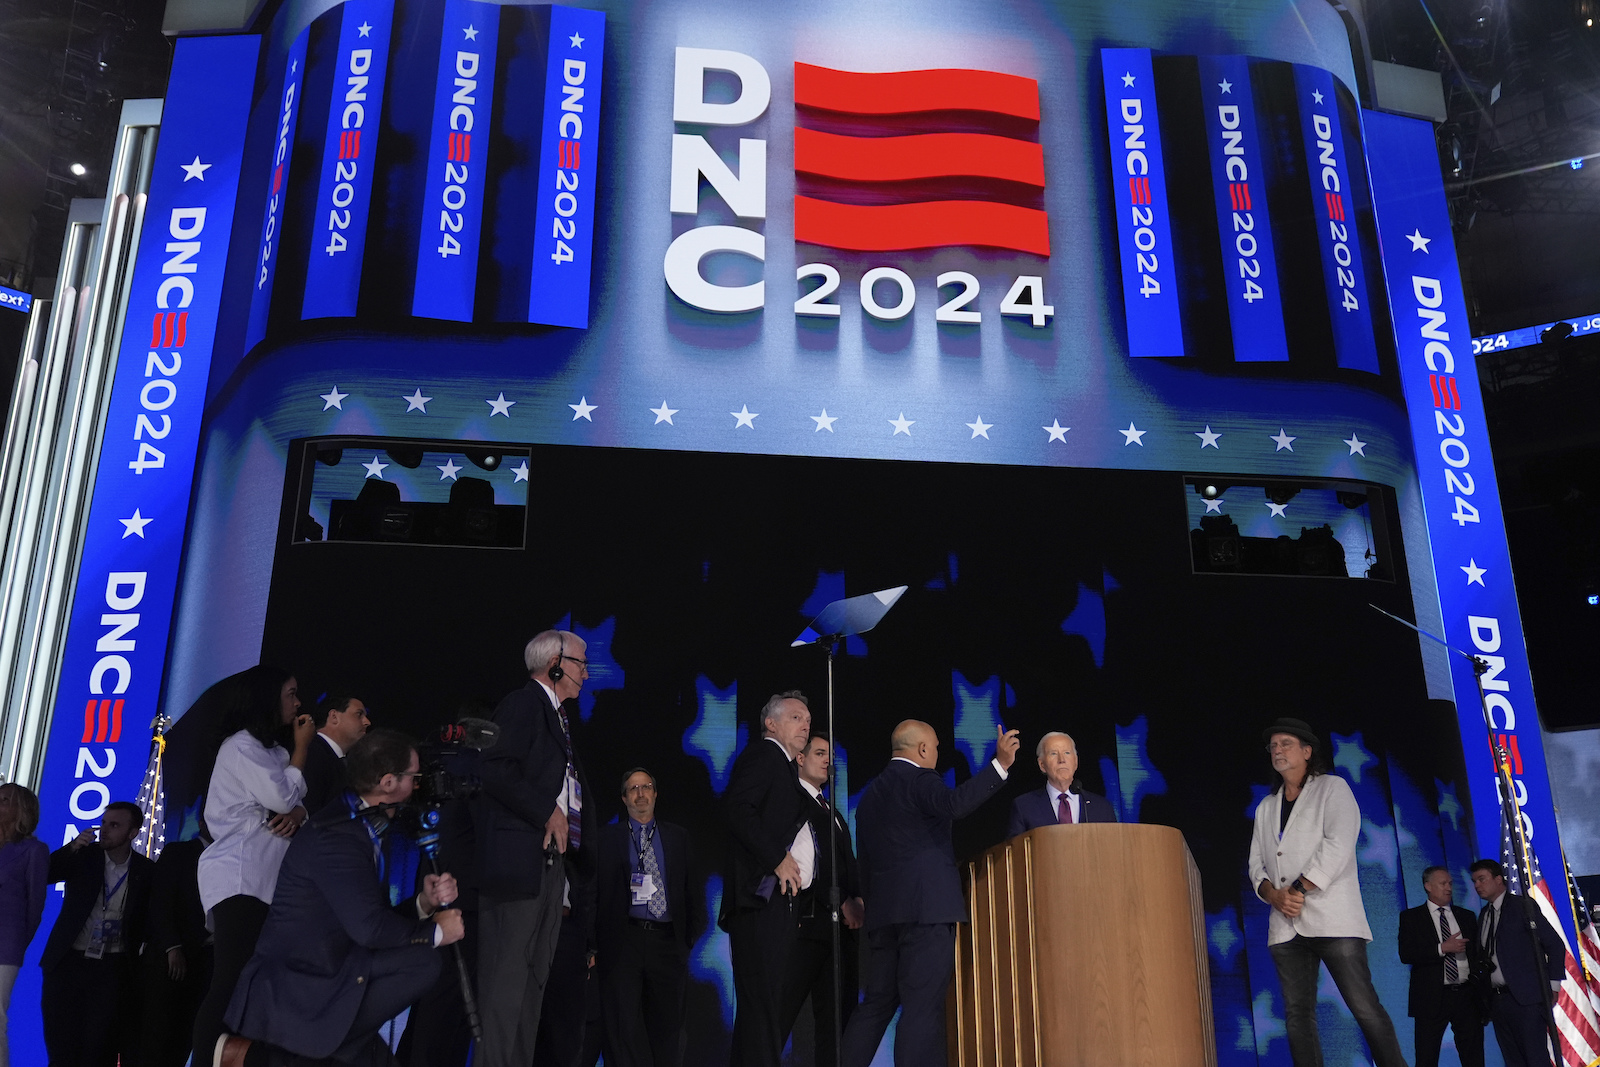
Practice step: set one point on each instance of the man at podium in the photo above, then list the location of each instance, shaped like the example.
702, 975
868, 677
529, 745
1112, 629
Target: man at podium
1063, 799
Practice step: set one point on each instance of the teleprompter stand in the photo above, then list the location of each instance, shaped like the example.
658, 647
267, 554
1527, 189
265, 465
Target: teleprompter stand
841, 619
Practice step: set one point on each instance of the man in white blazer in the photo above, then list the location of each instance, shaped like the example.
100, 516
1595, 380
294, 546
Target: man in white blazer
1303, 863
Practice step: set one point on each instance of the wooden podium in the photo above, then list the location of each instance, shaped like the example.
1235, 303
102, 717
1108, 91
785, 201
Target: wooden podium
1087, 948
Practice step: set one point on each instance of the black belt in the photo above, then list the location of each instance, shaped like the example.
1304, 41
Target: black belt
650, 924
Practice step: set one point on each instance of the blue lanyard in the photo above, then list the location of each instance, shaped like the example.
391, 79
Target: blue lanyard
111, 891
372, 834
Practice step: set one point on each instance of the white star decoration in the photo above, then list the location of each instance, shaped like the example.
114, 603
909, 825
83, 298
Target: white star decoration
1316, 94
823, 421
1208, 439
1283, 440
582, 408
500, 406
448, 469
1357, 446
376, 468
1474, 572
1419, 243
364, 30
1225, 85
334, 399
1277, 509
1133, 436
981, 428
1056, 431
575, 41
744, 417
902, 425
471, 33
662, 414
417, 402
134, 527
1127, 79
520, 472
1214, 507
196, 169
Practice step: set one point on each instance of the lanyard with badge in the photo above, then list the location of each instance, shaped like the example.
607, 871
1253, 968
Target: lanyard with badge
642, 884
108, 934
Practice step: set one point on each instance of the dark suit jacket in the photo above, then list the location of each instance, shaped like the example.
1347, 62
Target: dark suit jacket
1419, 947
1032, 810
908, 862
523, 775
177, 917
330, 914
818, 922
762, 808
1518, 962
84, 871
325, 775
614, 867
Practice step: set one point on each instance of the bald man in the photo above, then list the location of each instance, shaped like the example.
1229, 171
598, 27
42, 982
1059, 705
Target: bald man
913, 893
1063, 799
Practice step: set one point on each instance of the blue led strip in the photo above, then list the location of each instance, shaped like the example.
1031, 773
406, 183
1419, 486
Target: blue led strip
15, 299
1139, 185
458, 159
1531, 335
266, 262
1460, 497
563, 232
1249, 268
122, 606
349, 148
1334, 208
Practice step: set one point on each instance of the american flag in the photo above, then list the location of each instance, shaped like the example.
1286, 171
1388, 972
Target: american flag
153, 795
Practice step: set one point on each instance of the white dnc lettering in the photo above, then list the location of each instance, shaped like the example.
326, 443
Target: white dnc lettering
184, 227
452, 214
348, 159
124, 591
564, 227
693, 157
279, 161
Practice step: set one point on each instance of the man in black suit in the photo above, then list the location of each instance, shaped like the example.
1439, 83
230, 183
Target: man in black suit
335, 961
1516, 970
177, 963
1063, 798
646, 922
528, 817
811, 964
341, 721
771, 858
90, 996
913, 893
1440, 942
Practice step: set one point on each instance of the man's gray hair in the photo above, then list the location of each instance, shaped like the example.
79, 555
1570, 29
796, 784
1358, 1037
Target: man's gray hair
545, 647
1038, 750
1427, 872
769, 710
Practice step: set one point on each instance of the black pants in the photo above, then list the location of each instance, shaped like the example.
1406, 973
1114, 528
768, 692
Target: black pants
1459, 1010
909, 966
236, 926
1299, 961
89, 1009
561, 1026
437, 1033
168, 1007
1520, 1030
642, 981
811, 975
760, 939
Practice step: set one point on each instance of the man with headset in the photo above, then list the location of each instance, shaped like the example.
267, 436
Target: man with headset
528, 816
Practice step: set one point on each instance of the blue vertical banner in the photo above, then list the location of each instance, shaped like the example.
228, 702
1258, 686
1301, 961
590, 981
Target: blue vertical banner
458, 160
1460, 495
1333, 206
1238, 180
349, 150
1144, 220
563, 236
266, 263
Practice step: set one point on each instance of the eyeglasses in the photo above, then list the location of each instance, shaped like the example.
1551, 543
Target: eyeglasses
1284, 746
580, 662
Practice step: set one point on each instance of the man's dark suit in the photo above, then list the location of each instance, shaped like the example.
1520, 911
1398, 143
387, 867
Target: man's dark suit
1431, 1003
913, 898
811, 964
560, 1038
324, 774
335, 961
1033, 809
643, 970
763, 808
90, 1006
1518, 1013
177, 920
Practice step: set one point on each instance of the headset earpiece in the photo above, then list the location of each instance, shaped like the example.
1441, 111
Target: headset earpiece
555, 672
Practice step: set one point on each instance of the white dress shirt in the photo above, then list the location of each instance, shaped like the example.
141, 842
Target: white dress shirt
1074, 801
1492, 908
804, 849
249, 784
1455, 929
337, 751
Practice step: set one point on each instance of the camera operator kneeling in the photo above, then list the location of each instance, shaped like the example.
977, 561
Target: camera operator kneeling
335, 961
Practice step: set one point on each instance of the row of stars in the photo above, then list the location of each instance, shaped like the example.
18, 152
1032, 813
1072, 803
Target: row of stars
448, 470
746, 418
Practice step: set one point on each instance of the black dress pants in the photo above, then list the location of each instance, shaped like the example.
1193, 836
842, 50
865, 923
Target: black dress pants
1459, 1011
760, 940
168, 1006
1520, 1030
236, 927
811, 975
641, 997
89, 1008
909, 966
437, 1032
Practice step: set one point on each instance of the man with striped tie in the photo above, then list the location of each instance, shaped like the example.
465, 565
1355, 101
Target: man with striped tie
1440, 942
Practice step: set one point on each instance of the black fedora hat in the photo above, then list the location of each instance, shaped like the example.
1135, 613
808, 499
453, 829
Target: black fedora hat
1293, 727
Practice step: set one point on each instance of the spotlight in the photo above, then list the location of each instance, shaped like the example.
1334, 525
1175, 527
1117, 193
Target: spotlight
1594, 599
408, 456
483, 458
78, 170
1210, 490
1281, 494
1351, 500
1576, 164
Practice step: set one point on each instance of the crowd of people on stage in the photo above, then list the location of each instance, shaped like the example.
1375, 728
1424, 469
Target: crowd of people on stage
272, 938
